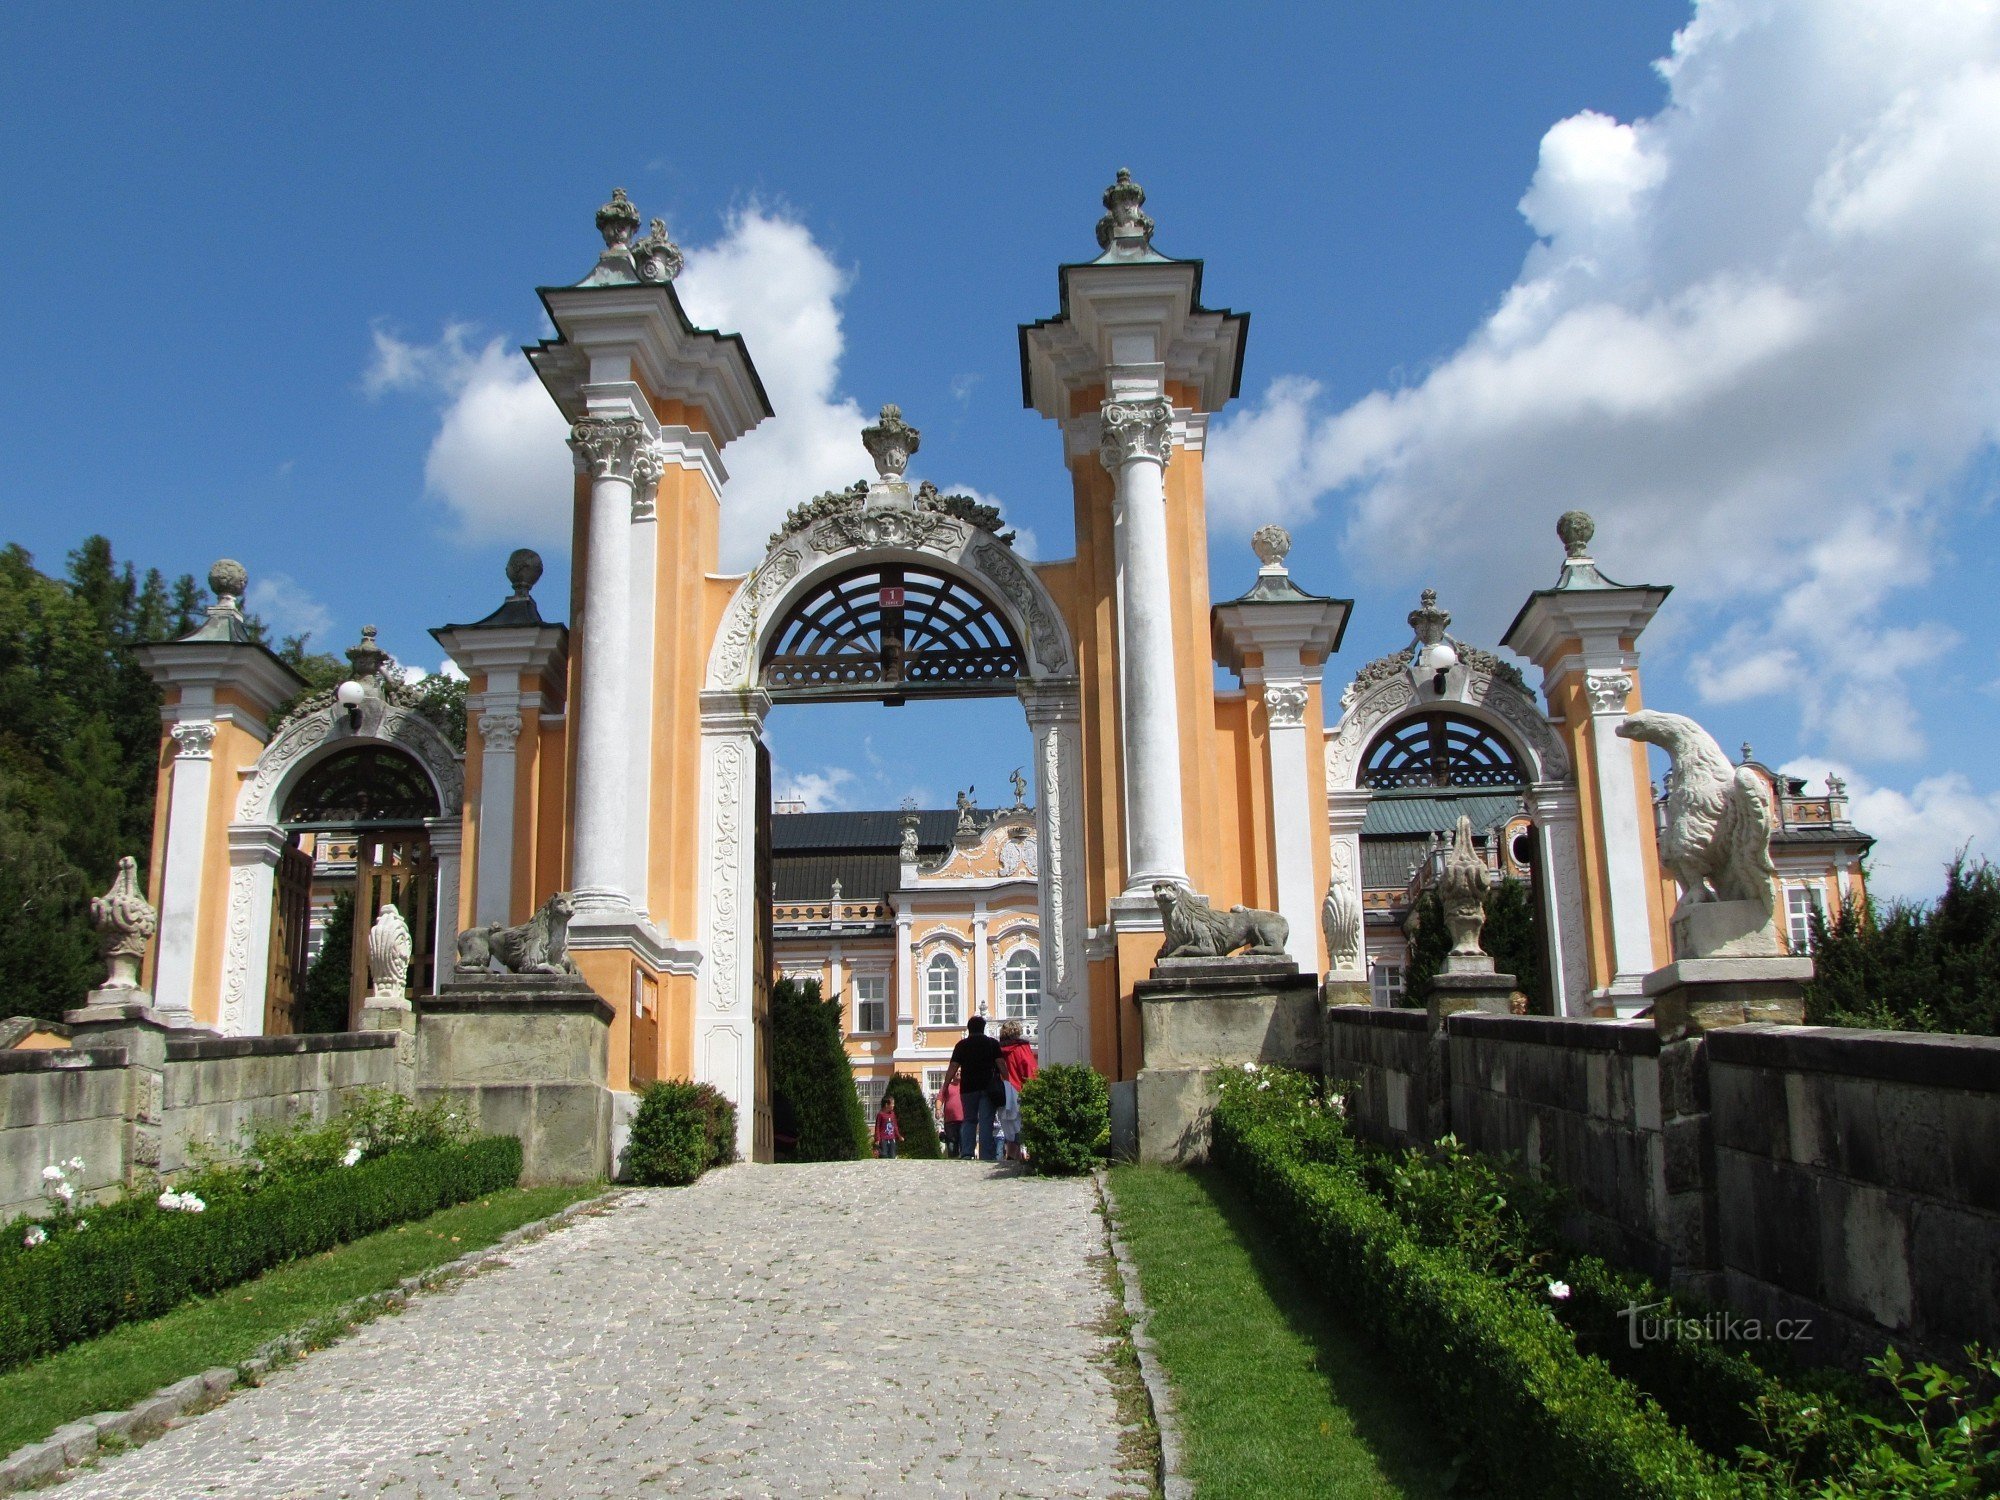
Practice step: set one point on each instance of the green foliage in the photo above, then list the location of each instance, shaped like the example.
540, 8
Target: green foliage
1430, 941
1511, 935
1503, 1223
812, 1083
147, 1260
1504, 1377
681, 1130
1944, 1440
1065, 1119
1908, 968
327, 993
914, 1120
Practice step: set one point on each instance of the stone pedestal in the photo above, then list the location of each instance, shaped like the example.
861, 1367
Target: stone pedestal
1725, 929
1490, 992
1198, 1016
526, 1055
392, 1014
1694, 995
125, 1018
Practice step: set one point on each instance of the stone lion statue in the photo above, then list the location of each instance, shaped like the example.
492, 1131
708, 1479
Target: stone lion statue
1197, 930
539, 945
1717, 837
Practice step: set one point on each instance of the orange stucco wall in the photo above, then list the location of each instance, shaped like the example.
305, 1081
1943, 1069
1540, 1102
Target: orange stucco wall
234, 748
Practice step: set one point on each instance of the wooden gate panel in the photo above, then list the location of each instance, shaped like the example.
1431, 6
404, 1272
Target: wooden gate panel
291, 926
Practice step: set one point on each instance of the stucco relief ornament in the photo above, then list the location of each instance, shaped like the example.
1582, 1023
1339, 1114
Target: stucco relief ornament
657, 256
193, 738
1340, 920
1285, 707
606, 446
891, 441
498, 732
1135, 429
389, 949
1463, 888
1125, 225
127, 921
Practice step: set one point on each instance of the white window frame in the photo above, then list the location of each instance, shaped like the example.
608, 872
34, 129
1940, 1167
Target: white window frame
1800, 902
936, 1013
863, 1000
871, 1091
1022, 961
1386, 982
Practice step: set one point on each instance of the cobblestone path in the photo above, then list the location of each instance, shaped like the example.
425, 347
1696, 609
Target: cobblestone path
854, 1328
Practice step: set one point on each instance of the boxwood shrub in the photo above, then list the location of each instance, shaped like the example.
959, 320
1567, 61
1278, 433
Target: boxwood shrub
914, 1119
1065, 1119
681, 1130
145, 1260
814, 1100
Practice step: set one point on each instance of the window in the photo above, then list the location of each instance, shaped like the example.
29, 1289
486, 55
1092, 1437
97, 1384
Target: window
1433, 750
1385, 981
871, 1002
1021, 988
1801, 901
934, 1088
871, 1091
941, 992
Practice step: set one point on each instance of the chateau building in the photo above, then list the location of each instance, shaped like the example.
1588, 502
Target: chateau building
620, 758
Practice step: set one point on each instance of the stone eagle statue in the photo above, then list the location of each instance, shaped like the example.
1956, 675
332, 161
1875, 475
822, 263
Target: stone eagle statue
1717, 837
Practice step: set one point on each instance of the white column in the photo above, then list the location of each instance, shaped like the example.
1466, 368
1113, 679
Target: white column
447, 836
179, 895
725, 1039
906, 986
1559, 875
1055, 719
1345, 813
982, 979
1291, 819
493, 890
1619, 807
1137, 435
254, 850
609, 450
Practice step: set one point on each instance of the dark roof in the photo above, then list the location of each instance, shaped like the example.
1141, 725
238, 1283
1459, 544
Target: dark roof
1386, 863
882, 829
1195, 309
810, 877
1432, 812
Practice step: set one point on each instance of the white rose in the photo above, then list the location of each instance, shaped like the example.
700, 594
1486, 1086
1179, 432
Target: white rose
170, 1199
1559, 1290
35, 1235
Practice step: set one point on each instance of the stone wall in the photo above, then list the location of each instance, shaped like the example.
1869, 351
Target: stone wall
143, 1105
1380, 1057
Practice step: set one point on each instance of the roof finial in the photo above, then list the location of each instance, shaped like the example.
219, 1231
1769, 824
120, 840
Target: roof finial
1428, 621
524, 570
890, 442
1272, 544
227, 580
366, 658
617, 220
659, 258
1125, 227
1576, 529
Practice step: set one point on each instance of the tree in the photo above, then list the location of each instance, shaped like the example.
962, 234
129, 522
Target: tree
914, 1120
812, 1084
1511, 936
1430, 941
329, 982
1906, 967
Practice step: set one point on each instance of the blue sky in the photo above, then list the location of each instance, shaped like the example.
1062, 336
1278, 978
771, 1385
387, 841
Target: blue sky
265, 271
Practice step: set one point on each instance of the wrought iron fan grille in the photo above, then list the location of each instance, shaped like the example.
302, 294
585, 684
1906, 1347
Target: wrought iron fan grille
889, 632
1437, 750
370, 785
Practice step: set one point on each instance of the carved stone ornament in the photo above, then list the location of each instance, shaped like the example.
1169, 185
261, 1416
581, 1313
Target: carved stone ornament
1136, 429
1340, 920
1428, 621
1716, 837
908, 851
890, 442
649, 462
193, 738
966, 809
1463, 889
1608, 691
1576, 528
1285, 707
657, 256
127, 922
617, 220
605, 447
885, 528
389, 955
227, 580
1272, 544
1004, 571
1125, 219
524, 570
498, 732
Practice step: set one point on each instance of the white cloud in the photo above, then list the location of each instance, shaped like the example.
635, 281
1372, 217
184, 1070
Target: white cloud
821, 791
1918, 831
284, 605
1758, 338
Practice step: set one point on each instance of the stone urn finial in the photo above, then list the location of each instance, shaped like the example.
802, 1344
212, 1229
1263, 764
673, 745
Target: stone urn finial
127, 921
1272, 544
1576, 529
890, 442
657, 256
389, 949
227, 580
1428, 621
366, 659
1463, 888
617, 220
524, 571
1125, 225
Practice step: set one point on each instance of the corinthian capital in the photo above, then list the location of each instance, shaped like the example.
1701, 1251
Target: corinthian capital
1136, 429
608, 447
1608, 691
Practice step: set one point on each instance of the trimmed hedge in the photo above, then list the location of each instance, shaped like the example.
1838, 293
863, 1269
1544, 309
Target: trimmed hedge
812, 1082
1065, 1119
914, 1119
681, 1130
1493, 1360
127, 1268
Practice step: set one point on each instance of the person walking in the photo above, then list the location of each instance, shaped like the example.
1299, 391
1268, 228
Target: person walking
1017, 1065
951, 1112
975, 1068
887, 1131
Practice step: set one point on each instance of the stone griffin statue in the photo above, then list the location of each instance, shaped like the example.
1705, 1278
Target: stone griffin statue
389, 955
1717, 837
1340, 920
128, 923
1196, 930
539, 945
1463, 890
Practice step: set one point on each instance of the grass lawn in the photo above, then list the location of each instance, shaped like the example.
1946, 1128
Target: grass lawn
127, 1364
1274, 1395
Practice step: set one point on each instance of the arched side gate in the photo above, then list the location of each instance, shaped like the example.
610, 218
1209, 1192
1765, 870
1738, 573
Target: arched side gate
883, 603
